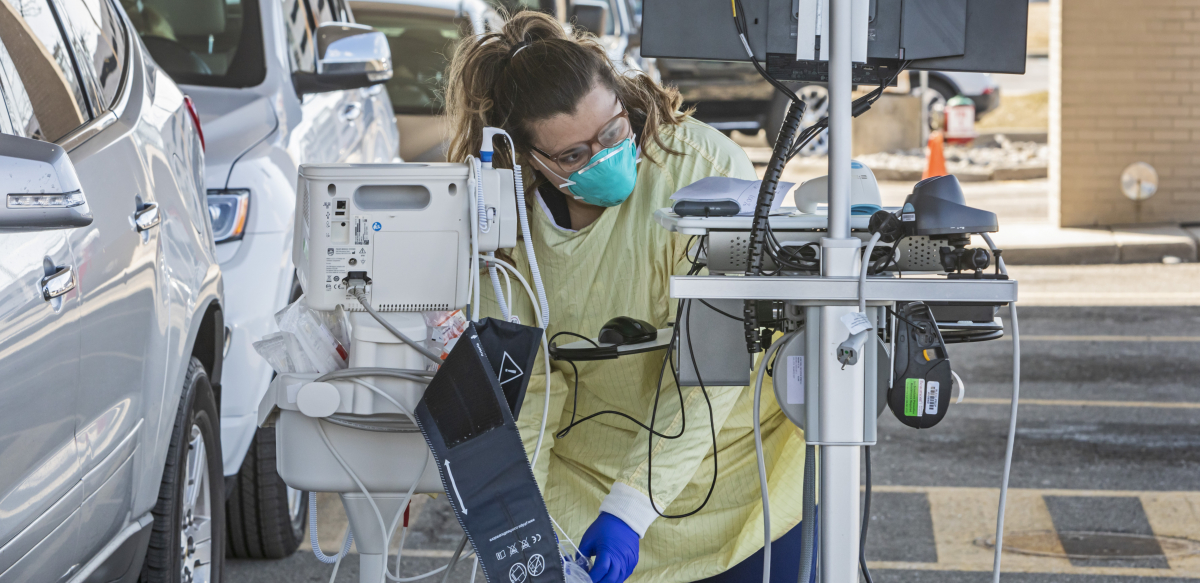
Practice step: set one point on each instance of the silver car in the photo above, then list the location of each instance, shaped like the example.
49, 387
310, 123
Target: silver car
269, 100
111, 333
423, 35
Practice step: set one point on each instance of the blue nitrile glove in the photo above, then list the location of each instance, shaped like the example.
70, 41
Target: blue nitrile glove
615, 547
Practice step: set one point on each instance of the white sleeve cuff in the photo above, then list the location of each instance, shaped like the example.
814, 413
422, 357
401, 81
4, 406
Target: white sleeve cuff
631, 506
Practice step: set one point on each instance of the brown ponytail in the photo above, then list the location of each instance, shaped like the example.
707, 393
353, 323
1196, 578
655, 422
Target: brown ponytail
532, 69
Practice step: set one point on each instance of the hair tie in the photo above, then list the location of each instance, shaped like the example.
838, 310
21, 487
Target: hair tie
520, 47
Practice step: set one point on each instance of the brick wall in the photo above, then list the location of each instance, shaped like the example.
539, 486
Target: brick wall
1125, 87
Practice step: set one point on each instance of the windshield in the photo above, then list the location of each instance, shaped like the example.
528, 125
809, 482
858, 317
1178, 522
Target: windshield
421, 49
202, 42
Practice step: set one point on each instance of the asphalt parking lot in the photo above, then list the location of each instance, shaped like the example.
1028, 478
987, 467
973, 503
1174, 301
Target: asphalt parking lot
1105, 474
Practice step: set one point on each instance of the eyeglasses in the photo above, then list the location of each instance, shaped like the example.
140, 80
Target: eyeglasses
610, 134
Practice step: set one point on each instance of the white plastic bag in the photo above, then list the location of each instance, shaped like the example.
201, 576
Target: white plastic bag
284, 353
273, 349
312, 336
444, 329
575, 570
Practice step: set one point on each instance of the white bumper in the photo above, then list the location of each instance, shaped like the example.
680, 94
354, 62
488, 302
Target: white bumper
257, 282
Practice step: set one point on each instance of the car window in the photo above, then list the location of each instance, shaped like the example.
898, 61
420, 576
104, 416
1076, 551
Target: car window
299, 25
202, 42
324, 11
100, 45
422, 46
51, 102
7, 123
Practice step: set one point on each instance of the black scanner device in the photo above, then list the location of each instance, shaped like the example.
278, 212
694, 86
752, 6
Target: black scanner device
624, 330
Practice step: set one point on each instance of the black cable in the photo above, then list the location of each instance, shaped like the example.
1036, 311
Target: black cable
696, 267
857, 108
712, 424
661, 373
739, 23
920, 327
592, 342
762, 210
862, 537
721, 312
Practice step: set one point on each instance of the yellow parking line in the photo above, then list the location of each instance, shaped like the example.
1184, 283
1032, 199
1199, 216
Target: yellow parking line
964, 516
1085, 403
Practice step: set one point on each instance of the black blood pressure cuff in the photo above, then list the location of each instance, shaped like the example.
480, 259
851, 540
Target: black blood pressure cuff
511, 349
466, 420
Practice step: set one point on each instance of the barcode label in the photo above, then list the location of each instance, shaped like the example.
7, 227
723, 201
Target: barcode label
931, 397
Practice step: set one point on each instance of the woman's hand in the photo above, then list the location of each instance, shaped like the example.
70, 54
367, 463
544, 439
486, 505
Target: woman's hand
615, 547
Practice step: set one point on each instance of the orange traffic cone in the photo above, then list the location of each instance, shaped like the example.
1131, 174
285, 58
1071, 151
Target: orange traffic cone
936, 163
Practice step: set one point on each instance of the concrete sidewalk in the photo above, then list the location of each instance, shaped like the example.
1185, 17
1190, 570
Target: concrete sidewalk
1026, 234
1046, 244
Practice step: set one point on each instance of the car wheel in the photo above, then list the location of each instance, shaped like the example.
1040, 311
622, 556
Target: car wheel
266, 518
816, 101
935, 102
187, 542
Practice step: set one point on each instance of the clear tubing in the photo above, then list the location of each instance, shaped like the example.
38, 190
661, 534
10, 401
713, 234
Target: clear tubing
862, 277
500, 298
370, 499
539, 314
313, 538
523, 216
808, 522
507, 286
758, 450
333, 575
387, 532
375, 372
462, 544
1012, 422
361, 296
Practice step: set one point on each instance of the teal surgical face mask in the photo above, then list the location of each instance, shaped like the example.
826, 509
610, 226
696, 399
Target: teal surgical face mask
607, 179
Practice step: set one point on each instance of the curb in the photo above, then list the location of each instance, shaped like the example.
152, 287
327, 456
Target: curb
1050, 245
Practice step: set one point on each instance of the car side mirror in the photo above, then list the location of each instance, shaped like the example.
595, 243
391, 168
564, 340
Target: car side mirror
590, 15
41, 190
349, 56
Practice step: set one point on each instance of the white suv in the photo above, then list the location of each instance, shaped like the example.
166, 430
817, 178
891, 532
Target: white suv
268, 102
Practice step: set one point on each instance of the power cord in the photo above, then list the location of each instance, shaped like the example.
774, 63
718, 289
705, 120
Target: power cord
711, 423
862, 537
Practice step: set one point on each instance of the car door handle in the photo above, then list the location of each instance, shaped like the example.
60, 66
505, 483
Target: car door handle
148, 217
58, 283
351, 112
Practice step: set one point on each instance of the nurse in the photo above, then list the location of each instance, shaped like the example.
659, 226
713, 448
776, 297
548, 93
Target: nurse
601, 151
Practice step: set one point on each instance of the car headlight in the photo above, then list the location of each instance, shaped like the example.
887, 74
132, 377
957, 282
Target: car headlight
228, 210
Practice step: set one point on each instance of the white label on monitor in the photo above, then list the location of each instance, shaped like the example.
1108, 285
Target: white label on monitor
795, 380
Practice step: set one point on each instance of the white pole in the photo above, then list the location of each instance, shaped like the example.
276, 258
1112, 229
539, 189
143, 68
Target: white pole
840, 87
841, 388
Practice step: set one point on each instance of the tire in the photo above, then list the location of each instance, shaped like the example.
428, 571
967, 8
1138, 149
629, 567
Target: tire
192, 486
940, 93
266, 519
816, 98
